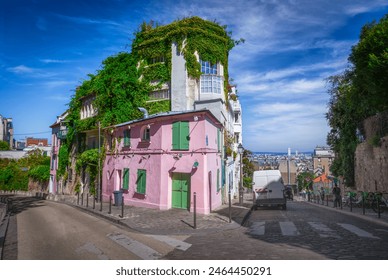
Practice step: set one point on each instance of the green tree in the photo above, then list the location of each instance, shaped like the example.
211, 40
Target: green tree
4, 146
357, 93
248, 169
305, 180
14, 175
40, 173
343, 117
370, 60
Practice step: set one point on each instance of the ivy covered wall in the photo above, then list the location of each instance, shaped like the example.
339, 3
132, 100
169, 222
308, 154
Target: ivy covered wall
125, 80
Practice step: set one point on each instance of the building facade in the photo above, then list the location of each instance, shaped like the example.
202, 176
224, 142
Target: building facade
6, 131
185, 77
58, 134
166, 161
322, 160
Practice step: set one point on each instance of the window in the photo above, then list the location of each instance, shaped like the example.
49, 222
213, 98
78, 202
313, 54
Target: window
141, 181
126, 179
146, 134
127, 138
180, 135
53, 161
211, 81
92, 142
208, 68
160, 94
211, 84
157, 59
236, 117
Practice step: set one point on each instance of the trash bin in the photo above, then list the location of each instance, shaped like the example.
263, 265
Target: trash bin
118, 197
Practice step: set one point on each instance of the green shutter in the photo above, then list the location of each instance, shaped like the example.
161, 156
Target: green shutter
127, 138
180, 135
141, 181
126, 179
184, 135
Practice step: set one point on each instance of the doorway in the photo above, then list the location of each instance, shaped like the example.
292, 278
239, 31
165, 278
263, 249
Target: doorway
181, 190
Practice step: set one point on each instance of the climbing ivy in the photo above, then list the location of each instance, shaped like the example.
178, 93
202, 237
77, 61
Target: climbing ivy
63, 160
193, 36
125, 80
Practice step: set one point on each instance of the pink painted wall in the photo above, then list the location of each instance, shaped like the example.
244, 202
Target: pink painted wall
54, 164
161, 162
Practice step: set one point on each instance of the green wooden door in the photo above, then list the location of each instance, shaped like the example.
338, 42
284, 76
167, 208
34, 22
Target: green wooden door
181, 190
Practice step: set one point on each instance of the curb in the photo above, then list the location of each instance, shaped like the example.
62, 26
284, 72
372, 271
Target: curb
3, 231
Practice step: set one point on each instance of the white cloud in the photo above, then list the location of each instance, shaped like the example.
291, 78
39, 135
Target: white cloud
84, 20
47, 60
21, 69
356, 8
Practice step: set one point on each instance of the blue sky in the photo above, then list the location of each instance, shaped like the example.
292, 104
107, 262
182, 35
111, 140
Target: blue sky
47, 48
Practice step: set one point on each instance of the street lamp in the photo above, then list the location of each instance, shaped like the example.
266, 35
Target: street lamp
240, 150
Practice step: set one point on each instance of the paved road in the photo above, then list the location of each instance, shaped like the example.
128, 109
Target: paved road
304, 231
55, 231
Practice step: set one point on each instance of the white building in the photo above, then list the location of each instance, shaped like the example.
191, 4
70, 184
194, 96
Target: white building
6, 131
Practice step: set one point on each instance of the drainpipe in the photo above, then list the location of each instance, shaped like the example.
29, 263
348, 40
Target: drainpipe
144, 111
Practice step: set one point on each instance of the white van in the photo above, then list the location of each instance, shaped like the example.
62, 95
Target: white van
268, 189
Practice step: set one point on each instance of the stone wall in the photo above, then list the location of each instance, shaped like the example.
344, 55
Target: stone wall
371, 157
371, 166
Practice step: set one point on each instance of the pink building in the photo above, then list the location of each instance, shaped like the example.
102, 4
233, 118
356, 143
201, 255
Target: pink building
58, 135
162, 160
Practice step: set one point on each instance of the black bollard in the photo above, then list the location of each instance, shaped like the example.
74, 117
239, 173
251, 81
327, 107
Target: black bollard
363, 205
82, 199
94, 202
230, 208
122, 207
110, 204
78, 198
351, 203
87, 200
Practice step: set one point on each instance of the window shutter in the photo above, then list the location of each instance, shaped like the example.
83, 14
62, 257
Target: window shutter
127, 138
141, 181
184, 134
180, 136
126, 179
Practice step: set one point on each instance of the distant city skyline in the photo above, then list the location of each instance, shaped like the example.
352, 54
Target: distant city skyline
48, 48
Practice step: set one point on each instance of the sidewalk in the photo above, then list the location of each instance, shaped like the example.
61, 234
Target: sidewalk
369, 214
165, 222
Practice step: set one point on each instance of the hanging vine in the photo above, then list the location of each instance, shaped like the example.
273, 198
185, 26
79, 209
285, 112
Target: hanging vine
125, 80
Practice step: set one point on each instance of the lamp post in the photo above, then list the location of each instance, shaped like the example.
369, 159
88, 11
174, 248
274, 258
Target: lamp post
99, 165
240, 150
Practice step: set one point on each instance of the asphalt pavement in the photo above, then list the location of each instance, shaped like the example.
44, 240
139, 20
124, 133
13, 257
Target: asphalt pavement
181, 221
